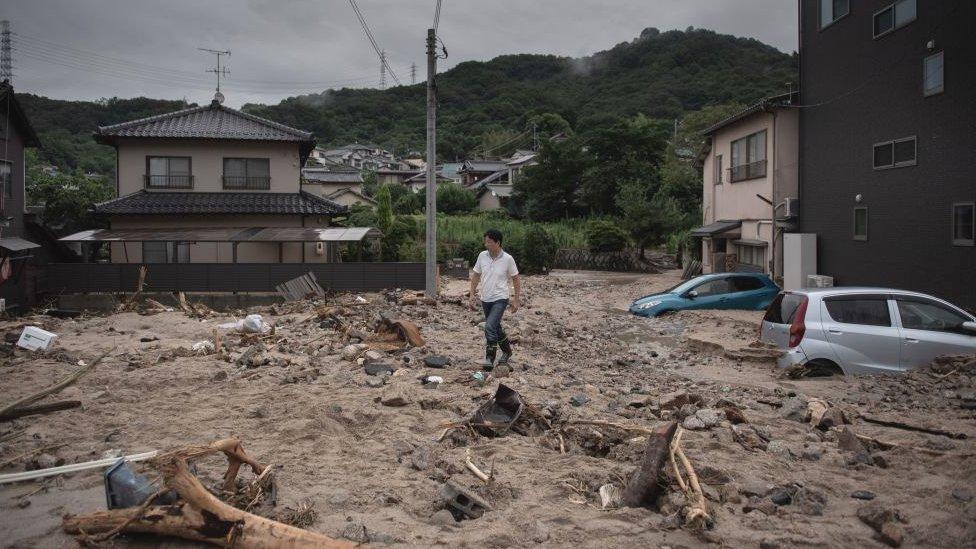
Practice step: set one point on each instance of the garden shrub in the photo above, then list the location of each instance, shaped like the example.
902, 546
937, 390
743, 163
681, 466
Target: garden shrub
605, 236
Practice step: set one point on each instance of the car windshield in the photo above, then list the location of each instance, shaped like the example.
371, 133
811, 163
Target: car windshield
682, 287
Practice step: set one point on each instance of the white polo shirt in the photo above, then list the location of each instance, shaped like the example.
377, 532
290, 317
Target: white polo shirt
496, 275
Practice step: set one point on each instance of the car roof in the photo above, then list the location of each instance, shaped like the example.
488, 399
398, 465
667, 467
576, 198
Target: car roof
713, 276
847, 290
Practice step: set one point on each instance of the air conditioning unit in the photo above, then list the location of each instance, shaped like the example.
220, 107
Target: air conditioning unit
820, 281
792, 207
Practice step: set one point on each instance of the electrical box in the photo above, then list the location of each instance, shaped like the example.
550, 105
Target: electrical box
820, 281
799, 259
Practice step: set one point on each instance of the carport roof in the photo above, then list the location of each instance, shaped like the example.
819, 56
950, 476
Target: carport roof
717, 227
231, 234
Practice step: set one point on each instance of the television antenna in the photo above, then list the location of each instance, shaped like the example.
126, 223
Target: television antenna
218, 70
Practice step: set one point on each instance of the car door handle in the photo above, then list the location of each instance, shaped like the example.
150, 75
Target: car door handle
910, 340
834, 331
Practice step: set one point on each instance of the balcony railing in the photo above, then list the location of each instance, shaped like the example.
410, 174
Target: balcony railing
747, 171
254, 183
168, 181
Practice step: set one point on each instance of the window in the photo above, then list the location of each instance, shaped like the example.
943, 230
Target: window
746, 284
168, 172
6, 174
895, 154
748, 157
933, 81
918, 314
860, 223
751, 255
783, 308
718, 286
155, 252
866, 310
963, 224
718, 169
893, 17
247, 173
182, 254
832, 10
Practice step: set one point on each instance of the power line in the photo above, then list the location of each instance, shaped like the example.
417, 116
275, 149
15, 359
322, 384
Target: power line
437, 15
372, 40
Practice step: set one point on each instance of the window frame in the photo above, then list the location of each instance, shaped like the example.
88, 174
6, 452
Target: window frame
941, 88
859, 237
952, 224
189, 176
245, 186
717, 169
885, 299
166, 245
834, 20
894, 18
894, 162
749, 161
8, 183
898, 298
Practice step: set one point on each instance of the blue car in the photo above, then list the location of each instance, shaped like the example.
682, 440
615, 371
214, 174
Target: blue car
749, 291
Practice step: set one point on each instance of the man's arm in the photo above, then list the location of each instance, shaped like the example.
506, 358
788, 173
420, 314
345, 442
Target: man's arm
475, 279
517, 302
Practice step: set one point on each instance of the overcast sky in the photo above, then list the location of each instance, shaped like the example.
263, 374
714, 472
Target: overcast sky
88, 49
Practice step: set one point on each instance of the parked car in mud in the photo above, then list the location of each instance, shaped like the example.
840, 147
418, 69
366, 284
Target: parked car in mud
865, 330
749, 291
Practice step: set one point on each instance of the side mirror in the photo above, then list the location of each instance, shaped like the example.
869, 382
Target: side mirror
969, 327
692, 294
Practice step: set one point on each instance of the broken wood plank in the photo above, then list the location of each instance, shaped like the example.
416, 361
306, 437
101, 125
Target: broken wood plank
644, 486
30, 399
40, 409
915, 428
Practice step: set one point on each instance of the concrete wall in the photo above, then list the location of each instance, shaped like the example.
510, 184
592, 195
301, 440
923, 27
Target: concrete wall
488, 201
207, 162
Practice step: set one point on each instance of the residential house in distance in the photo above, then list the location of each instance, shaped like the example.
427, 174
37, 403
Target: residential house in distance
16, 244
340, 184
472, 171
357, 155
888, 143
211, 184
750, 188
418, 183
395, 177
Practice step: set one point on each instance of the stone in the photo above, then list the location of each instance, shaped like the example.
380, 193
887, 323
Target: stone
962, 494
376, 368
847, 441
779, 448
219, 376
355, 532
880, 460
769, 544
812, 453
833, 417
376, 381
394, 396
340, 497
809, 502
875, 515
692, 423
148, 338
372, 356
709, 416
754, 489
579, 400
675, 400
892, 534
443, 518
352, 352
45, 461
780, 496
795, 409
436, 361
863, 494
420, 459
687, 410
502, 370
764, 506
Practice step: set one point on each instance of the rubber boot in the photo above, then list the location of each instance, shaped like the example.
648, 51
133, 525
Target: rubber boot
506, 348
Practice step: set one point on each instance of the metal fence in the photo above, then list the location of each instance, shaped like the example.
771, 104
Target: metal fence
75, 278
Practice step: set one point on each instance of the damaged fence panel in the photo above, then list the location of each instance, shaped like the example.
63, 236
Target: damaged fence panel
300, 288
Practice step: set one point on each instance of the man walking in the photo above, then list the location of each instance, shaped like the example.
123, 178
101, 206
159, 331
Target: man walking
491, 276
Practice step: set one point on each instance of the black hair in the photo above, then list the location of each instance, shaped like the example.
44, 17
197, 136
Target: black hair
494, 234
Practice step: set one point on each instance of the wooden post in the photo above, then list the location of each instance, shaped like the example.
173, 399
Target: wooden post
644, 487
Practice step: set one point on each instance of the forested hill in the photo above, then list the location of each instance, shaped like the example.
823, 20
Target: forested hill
659, 74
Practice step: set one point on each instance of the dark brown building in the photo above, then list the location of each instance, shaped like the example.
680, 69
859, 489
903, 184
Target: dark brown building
888, 142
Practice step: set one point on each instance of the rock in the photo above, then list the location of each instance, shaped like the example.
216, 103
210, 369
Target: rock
148, 338
420, 459
394, 396
579, 400
672, 401
862, 494
962, 494
219, 376
376, 368
779, 448
376, 381
847, 441
340, 497
769, 544
355, 532
709, 416
875, 515
754, 489
502, 370
687, 410
638, 401
812, 453
352, 352
809, 502
46, 461
609, 496
780, 496
443, 518
892, 534
436, 361
102, 395
372, 356
693, 423
795, 409
764, 506
880, 460
833, 417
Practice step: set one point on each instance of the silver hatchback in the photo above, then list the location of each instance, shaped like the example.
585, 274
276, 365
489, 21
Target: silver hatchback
865, 330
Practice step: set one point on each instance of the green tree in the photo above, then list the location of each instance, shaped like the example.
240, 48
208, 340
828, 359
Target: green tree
67, 198
455, 199
538, 250
649, 221
370, 183
550, 190
548, 124
408, 204
603, 235
384, 210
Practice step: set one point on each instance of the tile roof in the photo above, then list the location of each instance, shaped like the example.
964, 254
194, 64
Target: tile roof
767, 103
143, 202
481, 166
9, 99
324, 176
213, 121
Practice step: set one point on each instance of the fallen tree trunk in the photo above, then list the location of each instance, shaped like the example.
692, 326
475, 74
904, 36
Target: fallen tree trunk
645, 486
30, 399
40, 409
199, 515
917, 429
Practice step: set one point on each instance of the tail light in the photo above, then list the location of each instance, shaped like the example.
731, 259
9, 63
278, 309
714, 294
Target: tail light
797, 327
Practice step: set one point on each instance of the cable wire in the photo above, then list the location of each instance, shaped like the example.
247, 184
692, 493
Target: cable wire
437, 16
372, 40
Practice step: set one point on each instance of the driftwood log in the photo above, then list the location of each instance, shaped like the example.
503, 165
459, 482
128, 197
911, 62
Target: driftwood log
57, 387
645, 486
198, 515
39, 409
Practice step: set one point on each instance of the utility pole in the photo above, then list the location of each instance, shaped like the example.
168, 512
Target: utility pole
218, 71
413, 73
431, 267
383, 70
6, 66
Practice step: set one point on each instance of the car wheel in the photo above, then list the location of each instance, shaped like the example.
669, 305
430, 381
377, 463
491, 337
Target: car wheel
822, 368
664, 312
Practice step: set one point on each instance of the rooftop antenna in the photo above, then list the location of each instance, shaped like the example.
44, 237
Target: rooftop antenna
6, 67
218, 97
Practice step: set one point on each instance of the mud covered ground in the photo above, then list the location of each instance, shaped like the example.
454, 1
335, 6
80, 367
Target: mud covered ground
373, 471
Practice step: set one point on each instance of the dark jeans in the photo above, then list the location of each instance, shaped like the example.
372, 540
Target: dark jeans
493, 321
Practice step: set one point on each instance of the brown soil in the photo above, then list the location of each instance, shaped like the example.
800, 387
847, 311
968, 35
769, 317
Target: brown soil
305, 408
